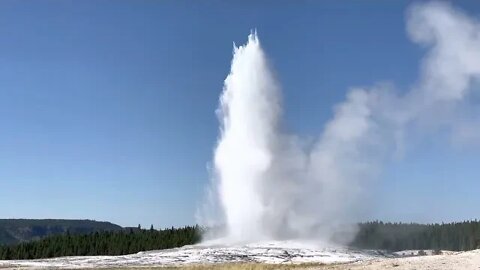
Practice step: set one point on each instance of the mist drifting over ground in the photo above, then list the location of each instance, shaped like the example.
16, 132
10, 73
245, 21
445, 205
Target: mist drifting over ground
267, 185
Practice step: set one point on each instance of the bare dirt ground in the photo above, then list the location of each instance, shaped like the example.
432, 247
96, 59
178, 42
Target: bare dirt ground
463, 261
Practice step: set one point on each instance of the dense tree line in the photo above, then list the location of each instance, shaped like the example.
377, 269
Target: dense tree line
102, 243
400, 236
371, 235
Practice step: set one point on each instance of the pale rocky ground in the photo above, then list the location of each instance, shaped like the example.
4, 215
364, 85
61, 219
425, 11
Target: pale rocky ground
469, 260
266, 256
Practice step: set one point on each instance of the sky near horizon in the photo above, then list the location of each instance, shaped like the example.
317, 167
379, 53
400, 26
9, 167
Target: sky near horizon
107, 108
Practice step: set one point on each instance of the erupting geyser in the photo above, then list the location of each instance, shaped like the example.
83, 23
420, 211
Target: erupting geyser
266, 186
247, 149
271, 185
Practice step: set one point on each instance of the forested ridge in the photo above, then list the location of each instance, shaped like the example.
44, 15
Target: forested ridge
102, 243
401, 236
13, 231
371, 235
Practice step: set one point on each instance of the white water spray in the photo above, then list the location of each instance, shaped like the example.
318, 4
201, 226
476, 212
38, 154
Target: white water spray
265, 185
249, 112
270, 186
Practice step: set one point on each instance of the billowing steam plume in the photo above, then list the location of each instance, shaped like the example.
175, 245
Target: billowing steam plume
271, 185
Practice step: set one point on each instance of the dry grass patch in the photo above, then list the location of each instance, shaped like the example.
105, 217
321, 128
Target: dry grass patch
250, 266
236, 266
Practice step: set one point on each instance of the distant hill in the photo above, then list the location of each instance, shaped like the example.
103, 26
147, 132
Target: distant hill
13, 231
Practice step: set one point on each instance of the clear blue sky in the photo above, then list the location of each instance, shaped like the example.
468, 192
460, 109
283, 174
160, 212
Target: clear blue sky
107, 107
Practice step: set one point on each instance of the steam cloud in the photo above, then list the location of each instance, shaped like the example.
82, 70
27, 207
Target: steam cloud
269, 185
